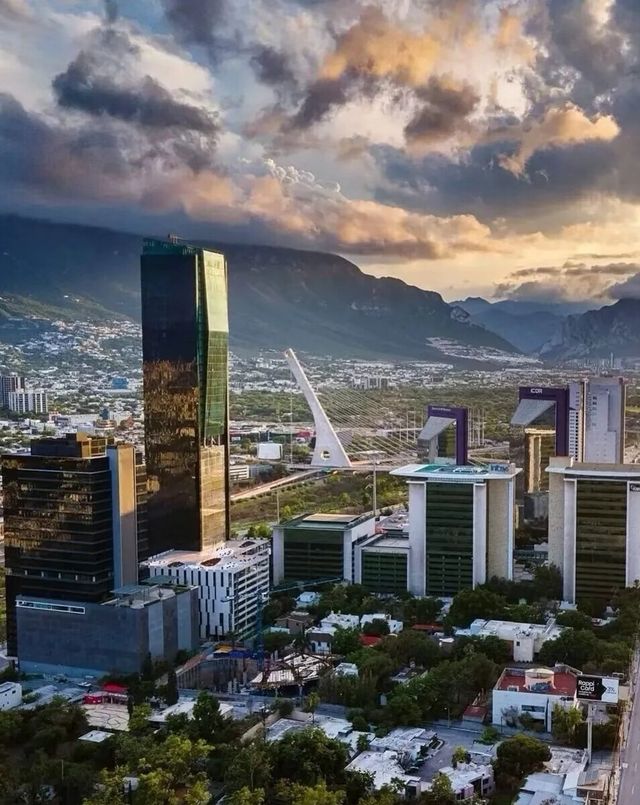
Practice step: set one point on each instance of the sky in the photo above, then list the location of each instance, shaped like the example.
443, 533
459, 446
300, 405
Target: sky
472, 147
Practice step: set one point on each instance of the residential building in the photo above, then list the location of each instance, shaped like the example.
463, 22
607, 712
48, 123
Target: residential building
75, 527
9, 383
594, 527
470, 779
232, 581
10, 695
320, 637
295, 622
534, 691
525, 639
307, 599
78, 639
29, 401
565, 780
461, 525
395, 627
386, 769
185, 335
319, 546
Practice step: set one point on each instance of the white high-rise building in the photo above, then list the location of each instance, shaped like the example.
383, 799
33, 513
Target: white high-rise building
28, 402
461, 526
594, 527
604, 432
9, 383
232, 581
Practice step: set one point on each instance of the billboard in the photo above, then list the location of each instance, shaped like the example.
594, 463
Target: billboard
597, 689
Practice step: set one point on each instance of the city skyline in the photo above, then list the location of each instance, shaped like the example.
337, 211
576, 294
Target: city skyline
465, 147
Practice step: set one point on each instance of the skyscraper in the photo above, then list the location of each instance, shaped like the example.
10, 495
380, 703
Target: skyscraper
74, 521
185, 335
605, 399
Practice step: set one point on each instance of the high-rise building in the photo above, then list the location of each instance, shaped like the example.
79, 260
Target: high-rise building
185, 337
9, 383
605, 400
539, 445
594, 527
74, 521
461, 526
30, 401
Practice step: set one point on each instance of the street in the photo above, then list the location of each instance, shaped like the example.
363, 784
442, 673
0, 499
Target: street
629, 790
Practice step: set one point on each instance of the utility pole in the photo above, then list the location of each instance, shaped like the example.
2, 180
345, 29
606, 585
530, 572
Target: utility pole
375, 487
277, 504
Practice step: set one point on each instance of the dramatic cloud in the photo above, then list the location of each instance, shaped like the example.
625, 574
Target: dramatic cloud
272, 66
447, 105
197, 22
629, 289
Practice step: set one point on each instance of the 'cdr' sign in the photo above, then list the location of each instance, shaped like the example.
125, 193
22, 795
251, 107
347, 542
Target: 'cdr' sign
597, 689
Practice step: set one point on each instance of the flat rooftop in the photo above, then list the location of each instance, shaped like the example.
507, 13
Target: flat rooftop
563, 683
448, 472
387, 544
324, 521
620, 471
230, 553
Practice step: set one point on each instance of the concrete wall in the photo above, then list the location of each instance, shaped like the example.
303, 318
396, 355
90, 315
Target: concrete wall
417, 537
277, 554
500, 532
556, 520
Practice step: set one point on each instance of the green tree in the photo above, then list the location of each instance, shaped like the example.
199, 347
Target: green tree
139, 719
441, 792
110, 789
574, 618
547, 583
411, 647
518, 757
308, 757
312, 703
319, 794
460, 755
565, 724
245, 796
363, 743
468, 605
250, 768
345, 641
377, 627
276, 641
208, 723
575, 647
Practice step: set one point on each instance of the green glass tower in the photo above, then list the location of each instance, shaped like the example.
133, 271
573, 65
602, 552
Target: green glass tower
185, 335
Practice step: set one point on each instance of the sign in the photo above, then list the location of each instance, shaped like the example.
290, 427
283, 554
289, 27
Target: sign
597, 689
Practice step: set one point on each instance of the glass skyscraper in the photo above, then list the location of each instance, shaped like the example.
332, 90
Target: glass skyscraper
185, 334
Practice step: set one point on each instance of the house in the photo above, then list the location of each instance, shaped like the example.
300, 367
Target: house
524, 639
386, 769
394, 626
296, 622
307, 599
535, 692
10, 695
470, 779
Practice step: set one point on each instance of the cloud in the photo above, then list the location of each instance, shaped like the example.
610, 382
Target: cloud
272, 66
559, 127
83, 86
629, 289
15, 10
111, 11
446, 106
197, 22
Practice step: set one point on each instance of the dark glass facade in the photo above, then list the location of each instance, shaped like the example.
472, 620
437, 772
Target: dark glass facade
601, 538
384, 573
59, 523
185, 337
449, 565
313, 553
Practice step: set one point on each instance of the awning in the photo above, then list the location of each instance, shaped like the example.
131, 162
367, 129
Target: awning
528, 410
434, 426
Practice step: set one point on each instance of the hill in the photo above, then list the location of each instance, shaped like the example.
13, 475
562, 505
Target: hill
316, 302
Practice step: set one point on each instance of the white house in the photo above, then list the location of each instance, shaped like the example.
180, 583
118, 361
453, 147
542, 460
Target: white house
10, 695
534, 691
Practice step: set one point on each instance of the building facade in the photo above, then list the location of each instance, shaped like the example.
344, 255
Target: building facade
604, 428
10, 383
28, 402
185, 334
319, 546
232, 581
461, 526
534, 691
71, 515
594, 527
81, 638
382, 564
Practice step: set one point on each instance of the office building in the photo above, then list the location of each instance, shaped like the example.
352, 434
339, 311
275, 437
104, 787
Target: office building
382, 563
594, 527
534, 691
185, 337
74, 521
81, 638
9, 383
539, 447
604, 429
461, 526
232, 581
319, 546
28, 402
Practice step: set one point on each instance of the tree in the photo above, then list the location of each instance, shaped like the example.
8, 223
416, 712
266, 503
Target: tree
208, 722
250, 768
422, 610
471, 604
110, 789
574, 618
547, 582
565, 724
460, 755
345, 641
441, 792
276, 641
318, 794
411, 646
518, 757
146, 672
139, 719
378, 627
363, 743
313, 700
245, 796
307, 757
574, 647
172, 688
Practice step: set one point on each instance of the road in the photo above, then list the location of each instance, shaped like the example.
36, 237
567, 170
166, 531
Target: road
290, 480
629, 790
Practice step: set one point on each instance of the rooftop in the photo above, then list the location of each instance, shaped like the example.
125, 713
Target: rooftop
449, 472
511, 629
324, 521
233, 553
384, 766
538, 680
621, 471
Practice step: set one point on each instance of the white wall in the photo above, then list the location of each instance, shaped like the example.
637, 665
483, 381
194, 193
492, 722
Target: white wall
10, 695
417, 537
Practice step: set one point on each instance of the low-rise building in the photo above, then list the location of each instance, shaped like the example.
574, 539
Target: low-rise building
411, 743
386, 769
346, 669
382, 563
320, 637
307, 599
319, 546
232, 582
566, 780
534, 691
85, 639
395, 627
524, 639
295, 622
10, 695
470, 779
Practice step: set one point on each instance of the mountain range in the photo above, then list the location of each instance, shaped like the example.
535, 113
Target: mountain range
315, 302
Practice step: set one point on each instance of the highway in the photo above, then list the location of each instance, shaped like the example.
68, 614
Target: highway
290, 480
629, 789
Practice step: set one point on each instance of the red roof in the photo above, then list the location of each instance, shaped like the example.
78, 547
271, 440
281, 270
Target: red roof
563, 684
369, 639
112, 687
427, 627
